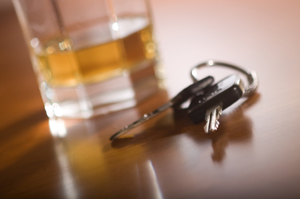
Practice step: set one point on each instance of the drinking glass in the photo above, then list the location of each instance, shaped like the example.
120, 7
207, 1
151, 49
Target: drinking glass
90, 57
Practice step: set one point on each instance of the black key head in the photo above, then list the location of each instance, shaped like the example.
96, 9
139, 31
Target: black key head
225, 92
191, 91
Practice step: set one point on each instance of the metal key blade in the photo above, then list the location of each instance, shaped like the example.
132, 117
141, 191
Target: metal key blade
207, 124
142, 120
213, 122
180, 98
212, 116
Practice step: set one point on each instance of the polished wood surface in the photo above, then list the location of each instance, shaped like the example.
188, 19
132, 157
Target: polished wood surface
254, 154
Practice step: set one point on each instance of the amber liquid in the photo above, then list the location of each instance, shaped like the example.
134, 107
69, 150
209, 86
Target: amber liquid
61, 65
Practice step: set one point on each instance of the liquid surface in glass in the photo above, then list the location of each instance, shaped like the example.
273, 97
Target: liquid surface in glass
61, 65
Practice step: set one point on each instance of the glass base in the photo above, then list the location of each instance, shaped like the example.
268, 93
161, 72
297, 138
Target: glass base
88, 100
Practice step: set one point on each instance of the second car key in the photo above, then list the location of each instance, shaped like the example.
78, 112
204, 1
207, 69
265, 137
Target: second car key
181, 97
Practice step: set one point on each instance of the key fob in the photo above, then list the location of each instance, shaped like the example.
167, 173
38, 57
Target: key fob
225, 92
191, 91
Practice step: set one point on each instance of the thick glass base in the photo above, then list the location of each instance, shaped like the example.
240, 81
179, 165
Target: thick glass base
88, 100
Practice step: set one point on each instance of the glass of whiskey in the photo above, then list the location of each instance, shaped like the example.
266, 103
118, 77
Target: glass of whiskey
90, 57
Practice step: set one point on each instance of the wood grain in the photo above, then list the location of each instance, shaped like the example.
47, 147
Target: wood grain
254, 154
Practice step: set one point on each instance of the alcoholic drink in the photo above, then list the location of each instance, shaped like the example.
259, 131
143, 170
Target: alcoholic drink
62, 65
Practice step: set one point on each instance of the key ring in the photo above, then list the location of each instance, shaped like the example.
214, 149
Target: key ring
251, 75
192, 90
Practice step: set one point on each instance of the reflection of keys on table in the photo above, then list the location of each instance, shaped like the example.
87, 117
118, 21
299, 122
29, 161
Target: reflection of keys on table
180, 98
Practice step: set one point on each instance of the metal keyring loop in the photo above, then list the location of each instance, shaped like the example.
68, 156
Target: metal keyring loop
251, 75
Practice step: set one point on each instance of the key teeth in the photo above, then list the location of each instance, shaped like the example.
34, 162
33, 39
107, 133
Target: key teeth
209, 130
217, 124
215, 128
212, 118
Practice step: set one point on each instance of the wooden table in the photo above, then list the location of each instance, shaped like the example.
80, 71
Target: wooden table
254, 154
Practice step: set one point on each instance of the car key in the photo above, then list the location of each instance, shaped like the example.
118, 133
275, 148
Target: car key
187, 93
216, 98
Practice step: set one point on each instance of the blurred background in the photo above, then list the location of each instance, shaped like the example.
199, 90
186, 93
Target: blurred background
5, 5
259, 142
19, 94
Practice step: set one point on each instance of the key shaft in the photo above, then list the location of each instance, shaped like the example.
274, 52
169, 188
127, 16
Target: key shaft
212, 116
181, 97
